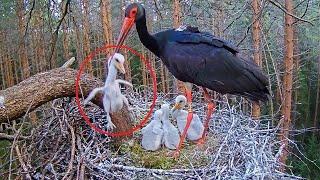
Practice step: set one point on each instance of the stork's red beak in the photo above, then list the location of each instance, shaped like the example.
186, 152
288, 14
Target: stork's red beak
126, 26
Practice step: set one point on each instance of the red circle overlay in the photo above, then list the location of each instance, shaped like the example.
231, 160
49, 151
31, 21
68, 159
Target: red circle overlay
154, 83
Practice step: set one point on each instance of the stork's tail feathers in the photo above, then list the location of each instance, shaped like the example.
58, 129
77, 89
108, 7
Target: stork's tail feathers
258, 95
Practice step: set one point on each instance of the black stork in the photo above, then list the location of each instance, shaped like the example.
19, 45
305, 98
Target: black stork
199, 58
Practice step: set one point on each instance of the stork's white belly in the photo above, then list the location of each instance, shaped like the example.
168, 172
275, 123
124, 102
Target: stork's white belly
115, 97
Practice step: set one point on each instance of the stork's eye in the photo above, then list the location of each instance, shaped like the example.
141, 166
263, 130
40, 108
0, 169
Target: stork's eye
133, 12
180, 101
117, 60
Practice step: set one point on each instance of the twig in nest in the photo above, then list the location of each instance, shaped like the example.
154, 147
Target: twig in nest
23, 165
4, 136
81, 169
73, 149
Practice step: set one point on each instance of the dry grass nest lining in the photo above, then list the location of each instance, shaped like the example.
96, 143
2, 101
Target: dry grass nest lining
238, 147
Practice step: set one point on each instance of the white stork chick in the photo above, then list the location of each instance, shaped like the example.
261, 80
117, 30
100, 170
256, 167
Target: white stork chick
196, 127
171, 137
152, 134
113, 100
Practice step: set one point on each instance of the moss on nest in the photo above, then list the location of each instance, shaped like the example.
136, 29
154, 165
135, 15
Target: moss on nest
191, 154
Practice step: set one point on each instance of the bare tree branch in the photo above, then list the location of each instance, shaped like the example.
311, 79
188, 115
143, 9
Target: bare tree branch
285, 11
157, 9
305, 11
30, 16
55, 34
23, 165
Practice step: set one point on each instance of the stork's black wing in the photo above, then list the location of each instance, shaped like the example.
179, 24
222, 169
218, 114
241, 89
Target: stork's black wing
193, 35
199, 59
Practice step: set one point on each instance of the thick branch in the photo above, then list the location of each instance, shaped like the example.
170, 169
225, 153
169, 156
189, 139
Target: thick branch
47, 86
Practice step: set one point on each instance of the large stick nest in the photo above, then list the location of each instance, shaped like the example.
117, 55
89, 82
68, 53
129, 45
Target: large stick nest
63, 146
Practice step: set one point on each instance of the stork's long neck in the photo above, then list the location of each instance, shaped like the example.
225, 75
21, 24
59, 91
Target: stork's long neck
112, 74
146, 38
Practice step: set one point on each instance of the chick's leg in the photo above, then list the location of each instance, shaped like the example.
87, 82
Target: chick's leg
107, 106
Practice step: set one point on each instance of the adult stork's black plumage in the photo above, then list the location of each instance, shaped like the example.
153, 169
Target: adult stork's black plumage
199, 58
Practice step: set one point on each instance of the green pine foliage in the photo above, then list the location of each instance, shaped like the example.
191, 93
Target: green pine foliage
309, 168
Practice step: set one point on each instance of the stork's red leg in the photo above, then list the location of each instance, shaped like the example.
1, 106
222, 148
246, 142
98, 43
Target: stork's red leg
211, 108
189, 119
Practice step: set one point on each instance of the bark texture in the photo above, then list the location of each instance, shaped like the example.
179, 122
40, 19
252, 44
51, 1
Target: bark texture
22, 47
47, 86
218, 19
105, 12
315, 118
287, 81
86, 32
257, 55
6, 62
176, 23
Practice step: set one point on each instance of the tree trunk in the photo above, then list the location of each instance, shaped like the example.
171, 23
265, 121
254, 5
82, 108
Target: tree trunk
35, 41
287, 82
176, 13
167, 80
163, 83
315, 120
218, 25
257, 55
218, 19
178, 85
65, 42
105, 11
144, 73
296, 80
78, 41
23, 57
2, 60
33, 58
86, 31
47, 86
308, 103
3, 82
127, 64
7, 62
127, 67
40, 43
